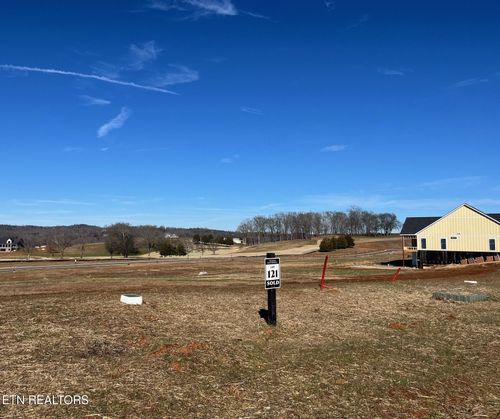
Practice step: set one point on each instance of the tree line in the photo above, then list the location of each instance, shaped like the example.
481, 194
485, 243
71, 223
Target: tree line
304, 225
119, 238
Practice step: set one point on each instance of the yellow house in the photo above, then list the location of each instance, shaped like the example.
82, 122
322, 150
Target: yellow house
464, 235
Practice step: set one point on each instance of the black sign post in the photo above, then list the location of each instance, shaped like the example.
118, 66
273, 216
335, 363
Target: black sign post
273, 281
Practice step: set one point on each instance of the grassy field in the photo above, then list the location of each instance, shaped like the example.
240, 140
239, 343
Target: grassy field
365, 347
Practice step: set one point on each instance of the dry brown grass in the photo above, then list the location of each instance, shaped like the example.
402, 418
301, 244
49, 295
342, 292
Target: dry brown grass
365, 347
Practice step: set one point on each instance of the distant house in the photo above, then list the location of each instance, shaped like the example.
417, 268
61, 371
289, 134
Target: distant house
237, 240
171, 236
7, 245
464, 235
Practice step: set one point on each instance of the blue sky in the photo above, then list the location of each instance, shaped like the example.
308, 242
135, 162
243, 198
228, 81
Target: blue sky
205, 112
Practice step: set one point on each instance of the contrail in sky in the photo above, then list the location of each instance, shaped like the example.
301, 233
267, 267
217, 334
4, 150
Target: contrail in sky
85, 76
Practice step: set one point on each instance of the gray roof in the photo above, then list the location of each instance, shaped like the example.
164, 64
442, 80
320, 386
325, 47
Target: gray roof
495, 216
3, 239
413, 225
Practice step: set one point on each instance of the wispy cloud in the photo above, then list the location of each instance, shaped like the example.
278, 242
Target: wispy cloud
115, 123
181, 74
44, 202
229, 160
468, 82
334, 148
253, 14
151, 149
200, 7
330, 4
94, 101
390, 71
217, 60
382, 202
359, 21
455, 182
108, 70
142, 54
83, 75
253, 111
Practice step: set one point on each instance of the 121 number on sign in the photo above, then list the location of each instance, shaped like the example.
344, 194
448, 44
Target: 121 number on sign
273, 273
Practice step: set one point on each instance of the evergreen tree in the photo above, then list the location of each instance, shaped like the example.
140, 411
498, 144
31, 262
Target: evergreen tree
350, 241
180, 249
341, 242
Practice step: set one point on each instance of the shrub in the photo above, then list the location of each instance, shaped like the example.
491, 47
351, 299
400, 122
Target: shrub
180, 250
166, 248
350, 241
328, 244
324, 246
341, 243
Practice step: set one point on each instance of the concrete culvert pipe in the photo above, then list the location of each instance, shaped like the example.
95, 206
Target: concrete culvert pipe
131, 299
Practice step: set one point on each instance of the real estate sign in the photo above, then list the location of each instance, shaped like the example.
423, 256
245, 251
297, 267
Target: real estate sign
273, 273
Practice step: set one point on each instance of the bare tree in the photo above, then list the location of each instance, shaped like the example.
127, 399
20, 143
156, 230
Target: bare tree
354, 220
150, 236
60, 241
81, 238
245, 229
213, 246
28, 243
259, 224
388, 222
120, 239
316, 223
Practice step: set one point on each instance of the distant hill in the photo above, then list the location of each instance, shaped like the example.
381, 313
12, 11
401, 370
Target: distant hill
89, 234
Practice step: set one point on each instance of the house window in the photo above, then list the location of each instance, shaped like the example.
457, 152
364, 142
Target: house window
492, 244
443, 244
423, 243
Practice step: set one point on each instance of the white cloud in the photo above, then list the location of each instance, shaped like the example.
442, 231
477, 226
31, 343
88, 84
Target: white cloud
108, 70
219, 7
182, 74
468, 82
390, 71
140, 55
230, 160
151, 149
380, 202
94, 101
253, 14
83, 75
200, 7
115, 123
44, 202
253, 111
330, 4
455, 182
334, 148
359, 21
73, 150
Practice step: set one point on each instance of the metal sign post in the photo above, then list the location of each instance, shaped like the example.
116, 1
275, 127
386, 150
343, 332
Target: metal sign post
272, 282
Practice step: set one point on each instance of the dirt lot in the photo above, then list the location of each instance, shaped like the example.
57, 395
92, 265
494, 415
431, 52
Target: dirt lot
366, 347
